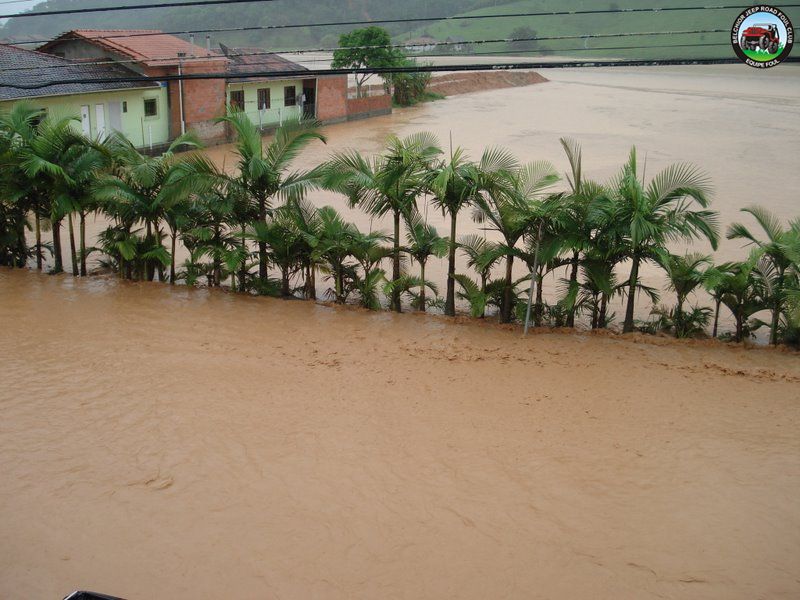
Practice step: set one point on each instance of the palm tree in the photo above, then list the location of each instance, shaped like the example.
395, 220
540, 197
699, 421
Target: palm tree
454, 184
774, 250
649, 217
685, 274
333, 243
741, 291
264, 171
390, 183
507, 204
423, 242
143, 189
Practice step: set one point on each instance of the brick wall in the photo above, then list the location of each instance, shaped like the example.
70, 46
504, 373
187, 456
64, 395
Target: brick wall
203, 101
371, 106
332, 98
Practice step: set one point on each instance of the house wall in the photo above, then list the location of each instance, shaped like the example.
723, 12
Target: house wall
140, 130
277, 112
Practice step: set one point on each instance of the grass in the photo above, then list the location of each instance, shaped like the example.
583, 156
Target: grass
577, 25
426, 97
761, 56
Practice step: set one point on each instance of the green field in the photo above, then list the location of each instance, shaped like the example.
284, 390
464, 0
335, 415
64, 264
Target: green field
706, 45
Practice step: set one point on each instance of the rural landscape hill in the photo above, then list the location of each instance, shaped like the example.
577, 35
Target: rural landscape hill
303, 12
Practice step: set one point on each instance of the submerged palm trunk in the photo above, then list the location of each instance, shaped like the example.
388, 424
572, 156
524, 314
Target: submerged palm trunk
422, 300
243, 268
505, 313
717, 302
58, 267
285, 287
262, 245
450, 301
538, 313
173, 236
83, 243
38, 220
628, 325
573, 280
73, 254
601, 319
395, 300
679, 319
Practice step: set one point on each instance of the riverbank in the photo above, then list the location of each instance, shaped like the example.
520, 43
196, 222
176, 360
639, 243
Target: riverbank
175, 442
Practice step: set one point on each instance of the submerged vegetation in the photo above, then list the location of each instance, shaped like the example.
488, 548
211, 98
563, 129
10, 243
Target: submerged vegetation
257, 232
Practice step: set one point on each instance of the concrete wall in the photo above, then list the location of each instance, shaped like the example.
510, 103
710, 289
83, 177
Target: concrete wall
140, 130
372, 106
277, 112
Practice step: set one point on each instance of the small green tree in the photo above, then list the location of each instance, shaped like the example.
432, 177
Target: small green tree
366, 48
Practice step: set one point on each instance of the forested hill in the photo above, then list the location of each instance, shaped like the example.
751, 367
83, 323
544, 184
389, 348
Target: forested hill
571, 28
278, 12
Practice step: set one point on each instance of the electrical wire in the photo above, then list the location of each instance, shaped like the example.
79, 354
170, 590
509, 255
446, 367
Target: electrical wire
74, 11
412, 20
306, 73
403, 45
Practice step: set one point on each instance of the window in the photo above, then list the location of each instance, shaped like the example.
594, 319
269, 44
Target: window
124, 106
150, 107
237, 100
263, 98
289, 96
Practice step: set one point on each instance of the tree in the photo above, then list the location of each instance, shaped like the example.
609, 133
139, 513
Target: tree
388, 184
525, 34
367, 48
507, 204
423, 242
776, 250
685, 274
264, 170
647, 218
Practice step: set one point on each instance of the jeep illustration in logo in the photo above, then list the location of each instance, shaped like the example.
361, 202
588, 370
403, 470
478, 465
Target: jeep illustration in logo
762, 36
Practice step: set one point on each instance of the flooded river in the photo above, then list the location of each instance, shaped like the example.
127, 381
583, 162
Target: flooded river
169, 442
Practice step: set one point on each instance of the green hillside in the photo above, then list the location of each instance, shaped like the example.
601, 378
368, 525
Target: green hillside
580, 25
280, 12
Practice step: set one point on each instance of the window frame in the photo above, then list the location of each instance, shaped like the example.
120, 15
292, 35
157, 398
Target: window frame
286, 90
265, 95
154, 102
235, 105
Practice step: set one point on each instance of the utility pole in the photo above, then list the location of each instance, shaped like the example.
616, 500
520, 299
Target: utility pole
181, 56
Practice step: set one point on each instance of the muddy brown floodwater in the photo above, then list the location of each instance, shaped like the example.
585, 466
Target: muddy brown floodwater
180, 443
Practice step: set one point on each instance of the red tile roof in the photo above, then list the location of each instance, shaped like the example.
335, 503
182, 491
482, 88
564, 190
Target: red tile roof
150, 47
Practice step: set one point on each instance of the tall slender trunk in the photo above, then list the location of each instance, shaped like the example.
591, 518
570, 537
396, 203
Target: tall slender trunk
73, 254
422, 300
150, 271
595, 310
717, 302
739, 326
602, 319
628, 325
285, 289
505, 313
395, 300
83, 243
262, 245
776, 311
58, 259
243, 268
538, 313
679, 318
573, 279
38, 220
450, 301
173, 239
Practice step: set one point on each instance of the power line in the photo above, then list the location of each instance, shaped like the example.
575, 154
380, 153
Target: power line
435, 44
512, 66
73, 11
411, 20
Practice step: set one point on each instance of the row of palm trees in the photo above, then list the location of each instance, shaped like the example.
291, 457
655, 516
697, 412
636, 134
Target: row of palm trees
257, 231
